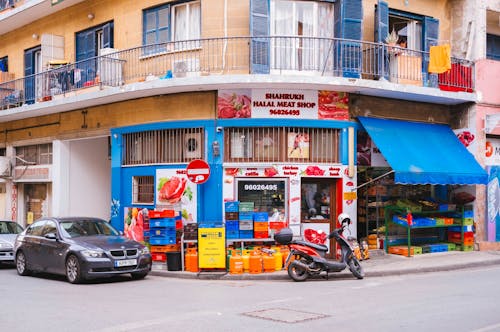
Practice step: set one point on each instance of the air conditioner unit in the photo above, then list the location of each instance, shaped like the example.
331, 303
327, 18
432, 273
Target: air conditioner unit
5, 167
186, 67
192, 145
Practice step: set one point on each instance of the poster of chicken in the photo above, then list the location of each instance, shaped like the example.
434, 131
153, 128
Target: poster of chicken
173, 190
133, 225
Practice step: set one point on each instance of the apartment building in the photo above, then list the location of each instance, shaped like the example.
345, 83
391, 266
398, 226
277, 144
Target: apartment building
305, 108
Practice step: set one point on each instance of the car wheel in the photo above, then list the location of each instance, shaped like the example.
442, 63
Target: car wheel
22, 264
73, 270
139, 275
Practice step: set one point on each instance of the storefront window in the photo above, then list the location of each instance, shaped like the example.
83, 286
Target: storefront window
317, 202
267, 195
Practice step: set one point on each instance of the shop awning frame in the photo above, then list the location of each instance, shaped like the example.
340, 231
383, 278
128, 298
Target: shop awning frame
424, 153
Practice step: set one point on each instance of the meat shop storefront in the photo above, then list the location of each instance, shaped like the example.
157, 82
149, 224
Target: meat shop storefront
286, 158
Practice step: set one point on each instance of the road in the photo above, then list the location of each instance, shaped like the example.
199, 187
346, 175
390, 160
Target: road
457, 301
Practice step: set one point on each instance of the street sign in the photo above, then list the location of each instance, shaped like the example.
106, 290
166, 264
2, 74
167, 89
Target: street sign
198, 171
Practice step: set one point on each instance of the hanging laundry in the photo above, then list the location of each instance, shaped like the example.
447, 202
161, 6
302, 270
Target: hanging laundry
439, 59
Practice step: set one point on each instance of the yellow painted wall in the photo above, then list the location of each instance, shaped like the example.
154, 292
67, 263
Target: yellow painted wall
184, 106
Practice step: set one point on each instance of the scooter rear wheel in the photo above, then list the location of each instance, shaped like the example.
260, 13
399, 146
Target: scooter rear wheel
297, 272
356, 268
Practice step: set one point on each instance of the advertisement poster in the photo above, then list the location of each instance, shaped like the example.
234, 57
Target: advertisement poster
173, 190
212, 248
468, 138
282, 104
493, 204
492, 151
298, 145
133, 224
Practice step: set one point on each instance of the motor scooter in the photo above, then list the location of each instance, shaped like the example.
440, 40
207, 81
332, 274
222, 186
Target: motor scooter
307, 259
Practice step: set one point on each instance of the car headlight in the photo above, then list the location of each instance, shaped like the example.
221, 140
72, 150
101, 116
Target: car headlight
93, 253
5, 245
145, 251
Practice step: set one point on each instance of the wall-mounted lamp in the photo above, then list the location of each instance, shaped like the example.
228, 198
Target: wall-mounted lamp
34, 36
216, 148
90, 16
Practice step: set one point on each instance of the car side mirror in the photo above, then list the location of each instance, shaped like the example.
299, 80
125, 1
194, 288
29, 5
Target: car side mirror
51, 236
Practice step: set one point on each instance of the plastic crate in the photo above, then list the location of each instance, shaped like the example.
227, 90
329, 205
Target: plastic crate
277, 225
261, 216
162, 232
261, 234
232, 234
161, 214
260, 226
231, 206
245, 216
246, 225
469, 214
403, 250
464, 248
166, 248
232, 225
246, 234
246, 207
231, 216
162, 222
430, 248
159, 256
153, 240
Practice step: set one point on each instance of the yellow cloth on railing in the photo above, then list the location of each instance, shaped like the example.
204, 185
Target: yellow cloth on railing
439, 59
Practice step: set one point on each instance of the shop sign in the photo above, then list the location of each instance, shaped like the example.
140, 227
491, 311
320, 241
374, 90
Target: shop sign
211, 248
492, 152
282, 104
350, 196
198, 171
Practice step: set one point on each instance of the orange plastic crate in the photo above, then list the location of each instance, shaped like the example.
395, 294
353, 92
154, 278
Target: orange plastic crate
260, 226
403, 250
166, 248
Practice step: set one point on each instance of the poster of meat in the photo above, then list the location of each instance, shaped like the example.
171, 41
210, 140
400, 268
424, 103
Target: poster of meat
333, 105
173, 190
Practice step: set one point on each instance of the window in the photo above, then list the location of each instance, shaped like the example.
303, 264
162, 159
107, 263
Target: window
267, 195
50, 227
492, 47
282, 145
40, 154
302, 20
4, 64
172, 23
143, 189
36, 228
163, 146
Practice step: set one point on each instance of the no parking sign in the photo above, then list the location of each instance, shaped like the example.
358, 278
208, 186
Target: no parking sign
198, 171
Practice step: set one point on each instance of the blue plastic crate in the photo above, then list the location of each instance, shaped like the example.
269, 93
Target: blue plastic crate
162, 222
468, 214
246, 216
421, 222
232, 225
429, 248
246, 234
146, 233
260, 216
232, 206
162, 232
457, 228
153, 240
232, 234
210, 224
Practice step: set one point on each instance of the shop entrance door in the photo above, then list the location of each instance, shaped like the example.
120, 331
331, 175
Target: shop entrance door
35, 198
318, 207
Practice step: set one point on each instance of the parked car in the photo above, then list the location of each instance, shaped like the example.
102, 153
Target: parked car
8, 232
80, 248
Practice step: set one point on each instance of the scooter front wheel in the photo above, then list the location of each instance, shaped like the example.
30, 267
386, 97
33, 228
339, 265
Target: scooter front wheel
297, 271
356, 268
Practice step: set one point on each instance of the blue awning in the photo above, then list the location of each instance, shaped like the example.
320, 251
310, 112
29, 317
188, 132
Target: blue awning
424, 153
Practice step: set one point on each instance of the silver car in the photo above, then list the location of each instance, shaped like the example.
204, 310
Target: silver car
8, 233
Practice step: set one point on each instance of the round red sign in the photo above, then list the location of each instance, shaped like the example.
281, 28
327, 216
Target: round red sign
198, 171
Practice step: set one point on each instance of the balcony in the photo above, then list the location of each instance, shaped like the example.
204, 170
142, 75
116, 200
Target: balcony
217, 63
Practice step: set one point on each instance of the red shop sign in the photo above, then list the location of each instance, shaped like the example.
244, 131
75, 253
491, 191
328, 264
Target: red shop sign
198, 171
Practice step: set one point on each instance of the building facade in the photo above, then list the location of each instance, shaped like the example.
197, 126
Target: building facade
105, 104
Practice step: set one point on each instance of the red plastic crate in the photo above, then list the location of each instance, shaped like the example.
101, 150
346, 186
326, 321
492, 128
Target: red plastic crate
261, 235
277, 225
161, 214
159, 256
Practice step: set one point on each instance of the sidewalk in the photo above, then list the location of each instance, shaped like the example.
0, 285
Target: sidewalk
378, 265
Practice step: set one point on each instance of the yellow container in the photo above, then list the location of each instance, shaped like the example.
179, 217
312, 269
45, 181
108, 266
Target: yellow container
278, 260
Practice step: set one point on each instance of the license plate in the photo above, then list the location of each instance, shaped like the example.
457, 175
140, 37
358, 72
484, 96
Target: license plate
126, 262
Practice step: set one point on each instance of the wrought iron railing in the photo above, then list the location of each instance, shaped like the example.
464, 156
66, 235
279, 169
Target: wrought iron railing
238, 55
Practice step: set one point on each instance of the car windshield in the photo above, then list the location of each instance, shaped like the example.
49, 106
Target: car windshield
86, 227
8, 227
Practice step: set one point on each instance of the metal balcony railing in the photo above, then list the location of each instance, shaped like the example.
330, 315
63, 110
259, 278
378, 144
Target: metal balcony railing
237, 56
4, 4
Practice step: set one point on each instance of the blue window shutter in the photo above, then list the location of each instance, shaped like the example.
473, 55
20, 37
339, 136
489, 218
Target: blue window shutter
381, 21
348, 25
431, 37
381, 32
259, 27
29, 81
107, 35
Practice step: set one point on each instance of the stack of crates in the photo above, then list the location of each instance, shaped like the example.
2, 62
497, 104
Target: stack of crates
231, 216
162, 228
145, 226
455, 236
191, 231
159, 253
245, 214
261, 225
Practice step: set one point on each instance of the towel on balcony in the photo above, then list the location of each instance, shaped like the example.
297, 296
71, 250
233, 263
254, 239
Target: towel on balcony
439, 59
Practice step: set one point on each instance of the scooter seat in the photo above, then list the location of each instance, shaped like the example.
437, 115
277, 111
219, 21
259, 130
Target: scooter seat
320, 247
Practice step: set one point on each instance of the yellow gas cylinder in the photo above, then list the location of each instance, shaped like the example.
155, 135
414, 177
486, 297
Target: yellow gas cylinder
278, 260
255, 263
246, 260
235, 263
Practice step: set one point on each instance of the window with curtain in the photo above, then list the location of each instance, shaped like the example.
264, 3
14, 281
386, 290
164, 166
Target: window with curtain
172, 22
294, 24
